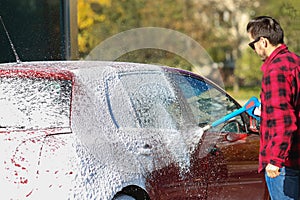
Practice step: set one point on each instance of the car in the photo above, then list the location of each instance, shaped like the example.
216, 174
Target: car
117, 130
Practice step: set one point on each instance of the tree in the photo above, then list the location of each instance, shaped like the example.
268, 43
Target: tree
218, 25
90, 12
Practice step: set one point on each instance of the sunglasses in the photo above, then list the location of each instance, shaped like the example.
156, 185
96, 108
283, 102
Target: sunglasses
251, 44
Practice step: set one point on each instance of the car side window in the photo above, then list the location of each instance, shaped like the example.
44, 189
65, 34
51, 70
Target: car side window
206, 102
152, 99
155, 106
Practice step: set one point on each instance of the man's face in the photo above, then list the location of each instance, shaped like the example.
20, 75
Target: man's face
258, 46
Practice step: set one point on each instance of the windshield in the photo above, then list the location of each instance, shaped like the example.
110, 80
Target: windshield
34, 103
206, 102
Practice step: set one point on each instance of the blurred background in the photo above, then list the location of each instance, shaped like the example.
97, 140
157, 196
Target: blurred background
70, 29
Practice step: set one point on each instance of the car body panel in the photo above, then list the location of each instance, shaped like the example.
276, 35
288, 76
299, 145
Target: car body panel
117, 125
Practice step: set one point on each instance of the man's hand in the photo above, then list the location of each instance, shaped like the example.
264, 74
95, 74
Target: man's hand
272, 171
257, 111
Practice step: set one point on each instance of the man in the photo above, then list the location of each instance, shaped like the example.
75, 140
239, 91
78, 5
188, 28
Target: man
280, 117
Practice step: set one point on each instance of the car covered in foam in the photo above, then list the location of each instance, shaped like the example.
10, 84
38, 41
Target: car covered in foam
112, 130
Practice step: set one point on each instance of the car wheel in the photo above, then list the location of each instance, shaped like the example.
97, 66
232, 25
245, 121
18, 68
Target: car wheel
123, 197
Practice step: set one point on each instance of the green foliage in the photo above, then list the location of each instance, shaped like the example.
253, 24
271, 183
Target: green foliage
245, 93
156, 56
248, 68
213, 24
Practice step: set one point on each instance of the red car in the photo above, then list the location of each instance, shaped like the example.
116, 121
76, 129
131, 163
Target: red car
109, 130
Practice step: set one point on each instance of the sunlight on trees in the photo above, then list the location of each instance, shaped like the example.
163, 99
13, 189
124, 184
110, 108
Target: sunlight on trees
217, 25
90, 13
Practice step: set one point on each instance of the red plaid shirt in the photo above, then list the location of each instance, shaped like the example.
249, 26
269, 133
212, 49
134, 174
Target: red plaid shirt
280, 118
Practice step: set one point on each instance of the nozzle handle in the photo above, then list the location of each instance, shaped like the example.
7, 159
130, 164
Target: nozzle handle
249, 107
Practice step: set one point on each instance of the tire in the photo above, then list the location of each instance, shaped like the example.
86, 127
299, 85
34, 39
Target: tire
123, 197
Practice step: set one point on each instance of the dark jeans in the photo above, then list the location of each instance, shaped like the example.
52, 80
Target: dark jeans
285, 186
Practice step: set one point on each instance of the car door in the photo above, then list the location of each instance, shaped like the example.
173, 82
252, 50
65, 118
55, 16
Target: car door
230, 152
240, 156
153, 120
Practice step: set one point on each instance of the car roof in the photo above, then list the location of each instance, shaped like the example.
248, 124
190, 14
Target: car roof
67, 70
36, 69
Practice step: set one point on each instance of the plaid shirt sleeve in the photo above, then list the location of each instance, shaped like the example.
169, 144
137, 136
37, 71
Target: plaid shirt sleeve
279, 115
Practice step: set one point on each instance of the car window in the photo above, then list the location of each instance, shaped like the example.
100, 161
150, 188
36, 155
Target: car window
206, 102
34, 103
150, 96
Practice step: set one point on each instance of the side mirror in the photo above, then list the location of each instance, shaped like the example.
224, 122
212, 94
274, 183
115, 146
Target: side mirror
233, 131
232, 126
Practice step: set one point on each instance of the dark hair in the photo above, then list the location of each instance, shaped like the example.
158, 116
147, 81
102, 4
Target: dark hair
264, 26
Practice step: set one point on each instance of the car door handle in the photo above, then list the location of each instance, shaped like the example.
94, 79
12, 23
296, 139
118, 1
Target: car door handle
214, 151
145, 150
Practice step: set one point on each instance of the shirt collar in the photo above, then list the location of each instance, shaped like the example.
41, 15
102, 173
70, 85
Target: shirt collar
273, 55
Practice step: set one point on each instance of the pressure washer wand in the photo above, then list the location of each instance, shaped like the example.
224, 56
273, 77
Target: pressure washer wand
249, 107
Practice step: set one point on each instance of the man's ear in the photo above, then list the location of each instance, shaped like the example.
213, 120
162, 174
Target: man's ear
266, 42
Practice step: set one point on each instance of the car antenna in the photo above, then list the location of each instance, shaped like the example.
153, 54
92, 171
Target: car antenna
11, 44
